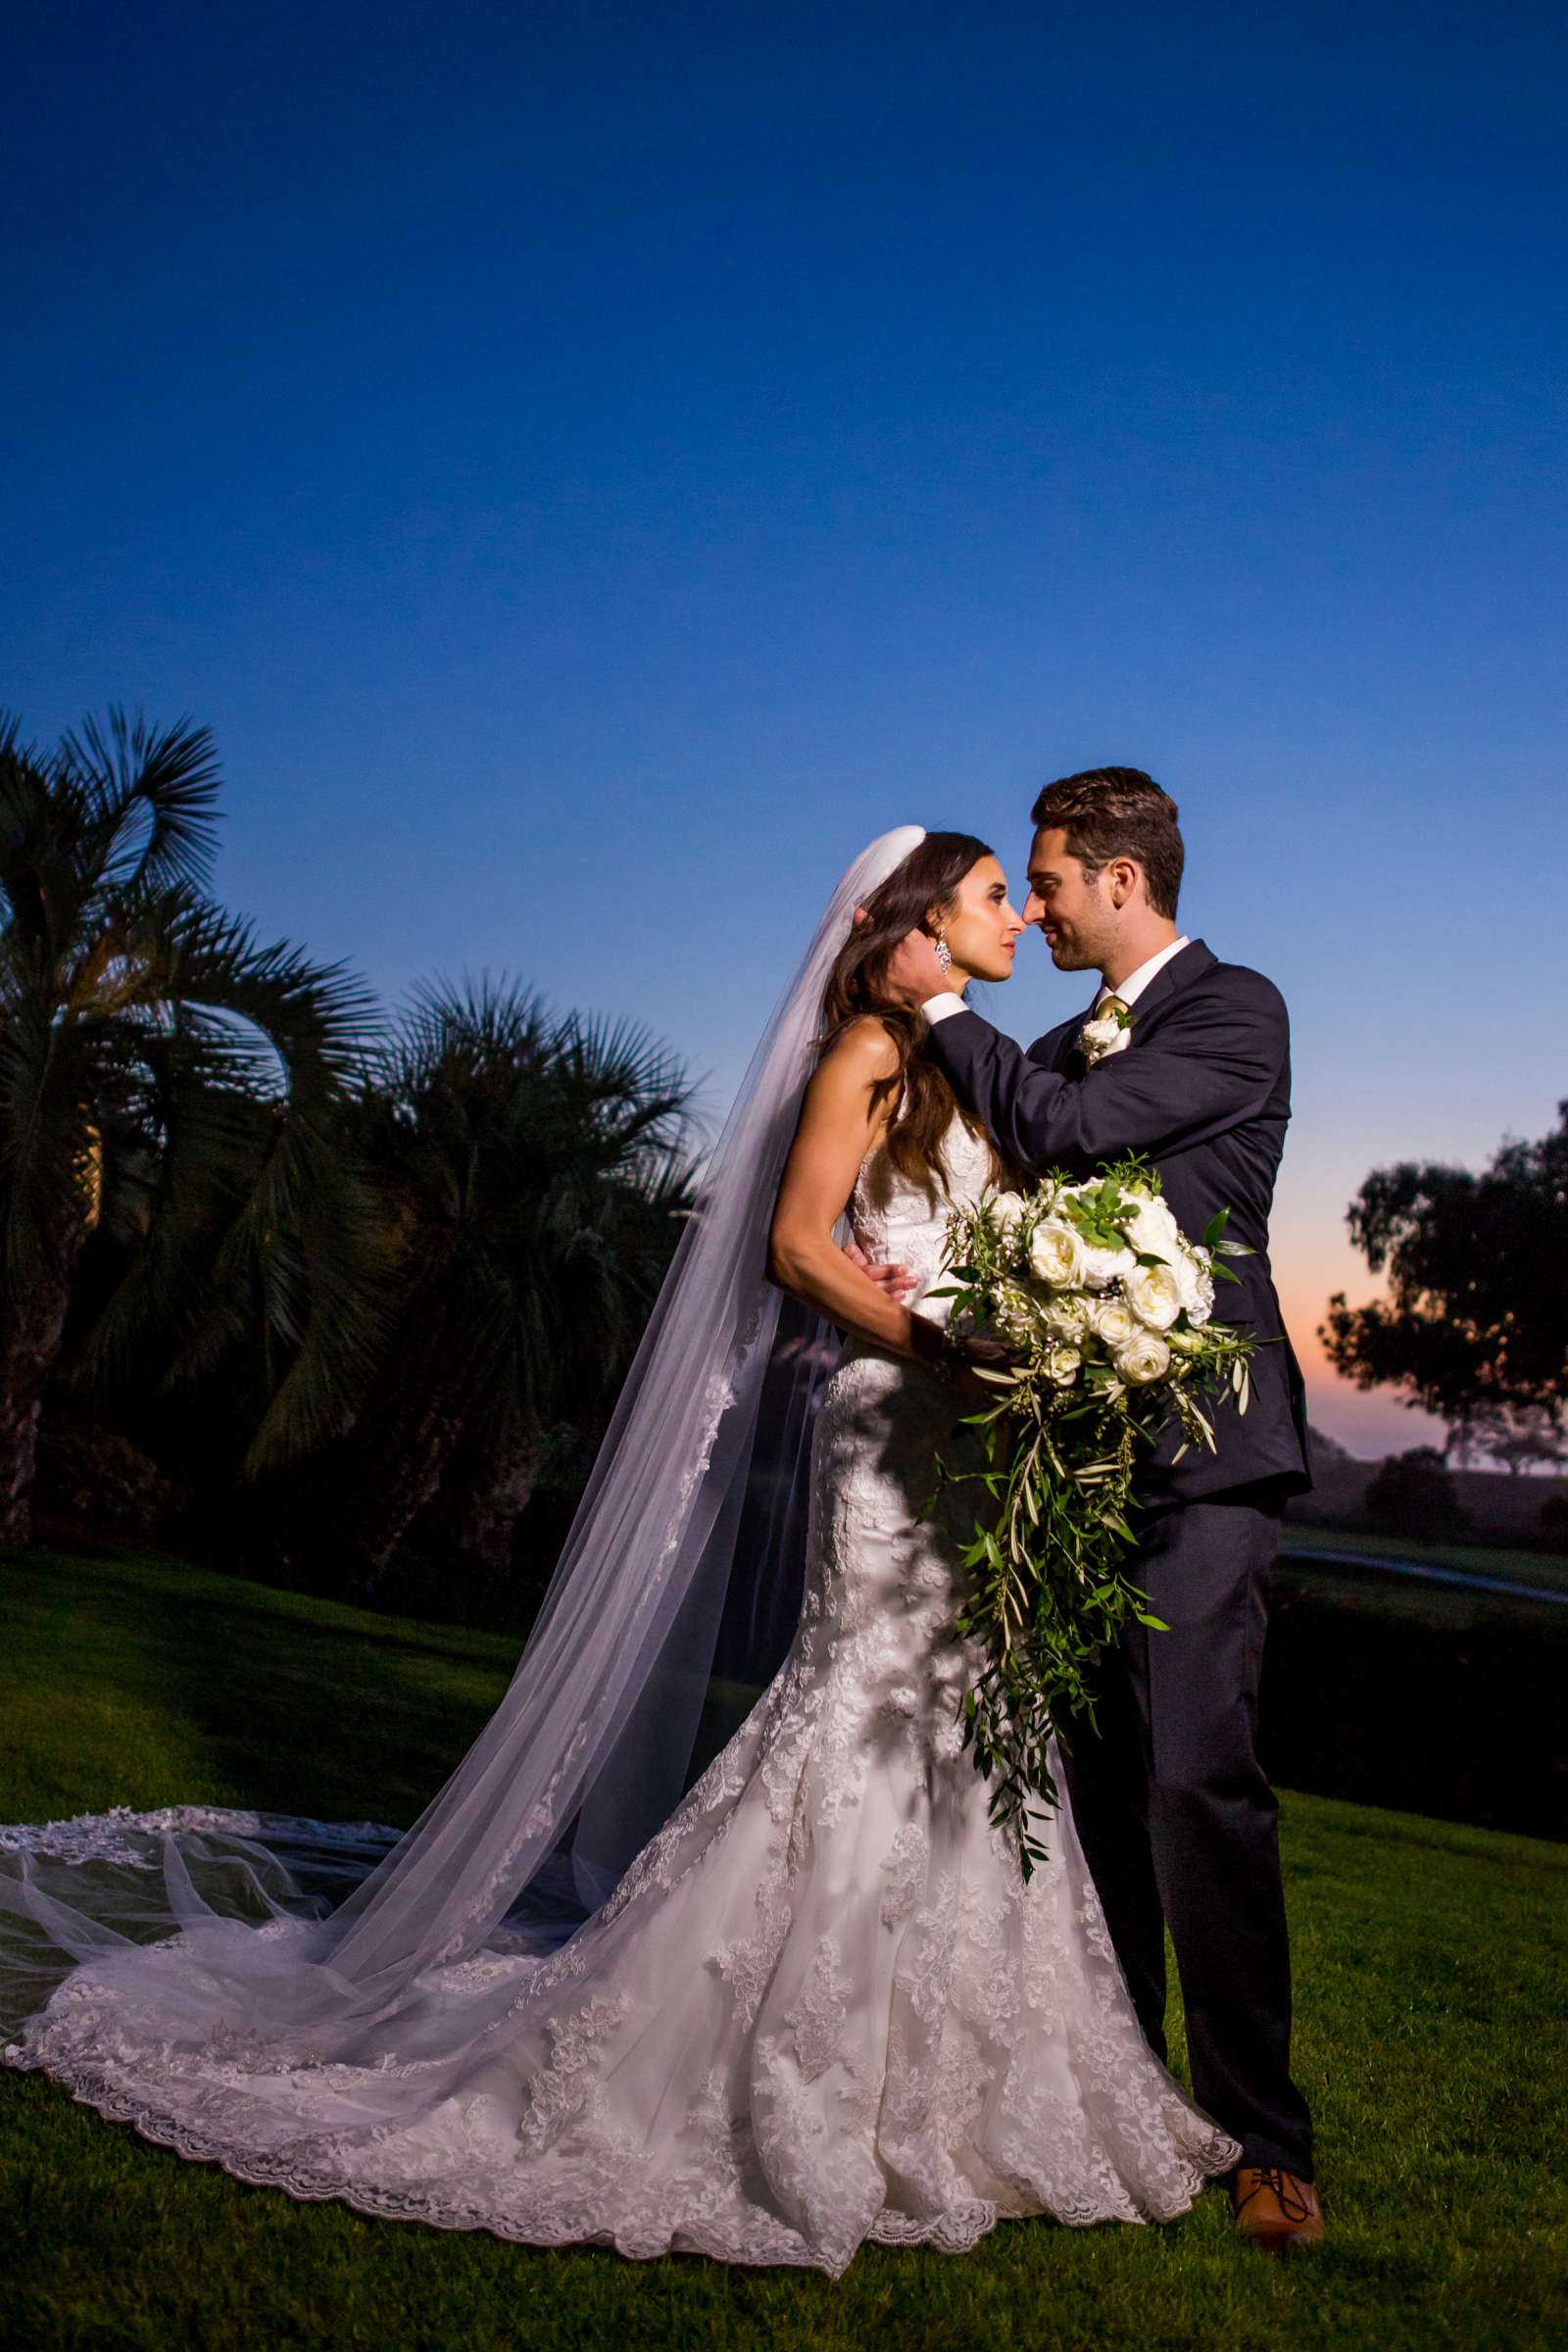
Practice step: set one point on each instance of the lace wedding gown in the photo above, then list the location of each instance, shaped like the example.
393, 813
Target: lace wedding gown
821, 2007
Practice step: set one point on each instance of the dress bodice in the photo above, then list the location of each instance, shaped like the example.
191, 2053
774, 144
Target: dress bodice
907, 1222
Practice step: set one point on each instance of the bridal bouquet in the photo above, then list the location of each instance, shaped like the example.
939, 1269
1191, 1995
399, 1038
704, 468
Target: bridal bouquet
1105, 1308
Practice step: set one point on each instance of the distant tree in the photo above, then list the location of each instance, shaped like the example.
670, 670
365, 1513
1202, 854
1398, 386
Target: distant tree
535, 1168
166, 1083
1521, 1437
1414, 1494
1476, 1316
1328, 1449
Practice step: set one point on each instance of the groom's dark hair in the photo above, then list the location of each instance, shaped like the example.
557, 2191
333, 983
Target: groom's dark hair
1111, 812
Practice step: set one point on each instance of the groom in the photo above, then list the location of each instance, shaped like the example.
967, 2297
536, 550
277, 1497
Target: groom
1188, 1061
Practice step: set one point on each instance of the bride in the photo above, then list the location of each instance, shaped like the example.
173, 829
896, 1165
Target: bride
807, 2003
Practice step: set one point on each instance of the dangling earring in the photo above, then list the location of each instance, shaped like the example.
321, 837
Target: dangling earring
944, 952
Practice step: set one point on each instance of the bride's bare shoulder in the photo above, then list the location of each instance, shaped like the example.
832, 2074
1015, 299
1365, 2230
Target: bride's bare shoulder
863, 1052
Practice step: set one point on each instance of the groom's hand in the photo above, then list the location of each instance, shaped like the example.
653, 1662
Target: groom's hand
984, 1356
895, 1280
914, 974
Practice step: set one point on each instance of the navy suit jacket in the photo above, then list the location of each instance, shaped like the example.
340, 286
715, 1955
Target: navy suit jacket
1204, 1089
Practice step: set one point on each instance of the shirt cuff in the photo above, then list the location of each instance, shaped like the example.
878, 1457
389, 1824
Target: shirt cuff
942, 1007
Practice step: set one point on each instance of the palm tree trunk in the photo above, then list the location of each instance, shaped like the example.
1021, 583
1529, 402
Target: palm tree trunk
481, 1497
30, 1332
407, 1430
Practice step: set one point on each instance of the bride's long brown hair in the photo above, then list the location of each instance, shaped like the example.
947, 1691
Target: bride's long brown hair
923, 887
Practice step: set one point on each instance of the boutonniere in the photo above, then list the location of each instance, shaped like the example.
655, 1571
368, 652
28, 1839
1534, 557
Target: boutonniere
1108, 1031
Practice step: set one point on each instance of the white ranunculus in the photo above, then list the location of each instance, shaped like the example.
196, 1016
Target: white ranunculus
1062, 1366
1155, 1295
1152, 1229
1101, 1267
1007, 1213
1113, 1320
1056, 1253
1145, 1359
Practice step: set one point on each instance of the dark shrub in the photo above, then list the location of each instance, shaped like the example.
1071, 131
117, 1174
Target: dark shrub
94, 1478
1414, 1494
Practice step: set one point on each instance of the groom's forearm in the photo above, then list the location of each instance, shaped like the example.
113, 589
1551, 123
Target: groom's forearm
1187, 1086
1016, 1099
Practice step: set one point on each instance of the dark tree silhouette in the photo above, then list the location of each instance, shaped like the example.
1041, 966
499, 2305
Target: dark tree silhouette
536, 1170
165, 1081
1476, 1317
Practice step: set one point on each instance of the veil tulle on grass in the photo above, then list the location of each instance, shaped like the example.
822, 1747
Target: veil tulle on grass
316, 1943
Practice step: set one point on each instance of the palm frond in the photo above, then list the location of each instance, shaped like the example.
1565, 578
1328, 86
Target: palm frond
152, 797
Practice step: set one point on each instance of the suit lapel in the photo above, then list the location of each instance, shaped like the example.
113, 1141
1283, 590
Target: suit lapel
1058, 1051
1070, 1058
1168, 982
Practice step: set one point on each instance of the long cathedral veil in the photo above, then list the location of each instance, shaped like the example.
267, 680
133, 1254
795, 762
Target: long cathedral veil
685, 1547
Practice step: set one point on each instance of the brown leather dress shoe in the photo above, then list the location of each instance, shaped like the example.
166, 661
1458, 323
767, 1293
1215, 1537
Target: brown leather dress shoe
1277, 2212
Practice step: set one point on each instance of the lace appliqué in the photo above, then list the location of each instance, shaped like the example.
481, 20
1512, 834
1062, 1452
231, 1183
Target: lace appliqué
820, 2009
817, 2016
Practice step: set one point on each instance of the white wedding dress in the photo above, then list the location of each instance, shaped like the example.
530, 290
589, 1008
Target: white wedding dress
822, 2006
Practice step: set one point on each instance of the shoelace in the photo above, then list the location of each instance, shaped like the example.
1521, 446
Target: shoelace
1293, 2204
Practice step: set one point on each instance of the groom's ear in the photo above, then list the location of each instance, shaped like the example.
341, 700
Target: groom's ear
1124, 875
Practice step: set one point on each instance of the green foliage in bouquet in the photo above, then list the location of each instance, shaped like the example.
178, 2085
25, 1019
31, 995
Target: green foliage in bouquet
1105, 1308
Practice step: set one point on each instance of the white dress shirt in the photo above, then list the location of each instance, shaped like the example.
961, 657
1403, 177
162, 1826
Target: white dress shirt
1133, 986
943, 1007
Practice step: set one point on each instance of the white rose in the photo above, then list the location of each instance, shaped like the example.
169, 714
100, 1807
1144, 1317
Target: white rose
1095, 1039
1056, 1253
1146, 1357
1062, 1366
1155, 1295
1186, 1274
1113, 1320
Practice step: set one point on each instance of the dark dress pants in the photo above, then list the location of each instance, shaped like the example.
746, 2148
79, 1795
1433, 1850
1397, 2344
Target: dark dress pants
1179, 1825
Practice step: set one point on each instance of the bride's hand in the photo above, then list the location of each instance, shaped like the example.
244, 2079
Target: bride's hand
912, 972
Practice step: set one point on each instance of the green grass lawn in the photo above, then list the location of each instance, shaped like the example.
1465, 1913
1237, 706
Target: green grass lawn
1431, 2038
1546, 1568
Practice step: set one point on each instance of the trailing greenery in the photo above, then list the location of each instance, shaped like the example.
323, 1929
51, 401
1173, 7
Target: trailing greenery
1430, 2037
1102, 1309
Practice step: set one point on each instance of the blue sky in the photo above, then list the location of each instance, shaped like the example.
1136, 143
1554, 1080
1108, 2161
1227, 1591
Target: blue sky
596, 467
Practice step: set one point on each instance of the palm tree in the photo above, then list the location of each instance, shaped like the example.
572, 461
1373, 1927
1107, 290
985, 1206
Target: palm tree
166, 1080
539, 1169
